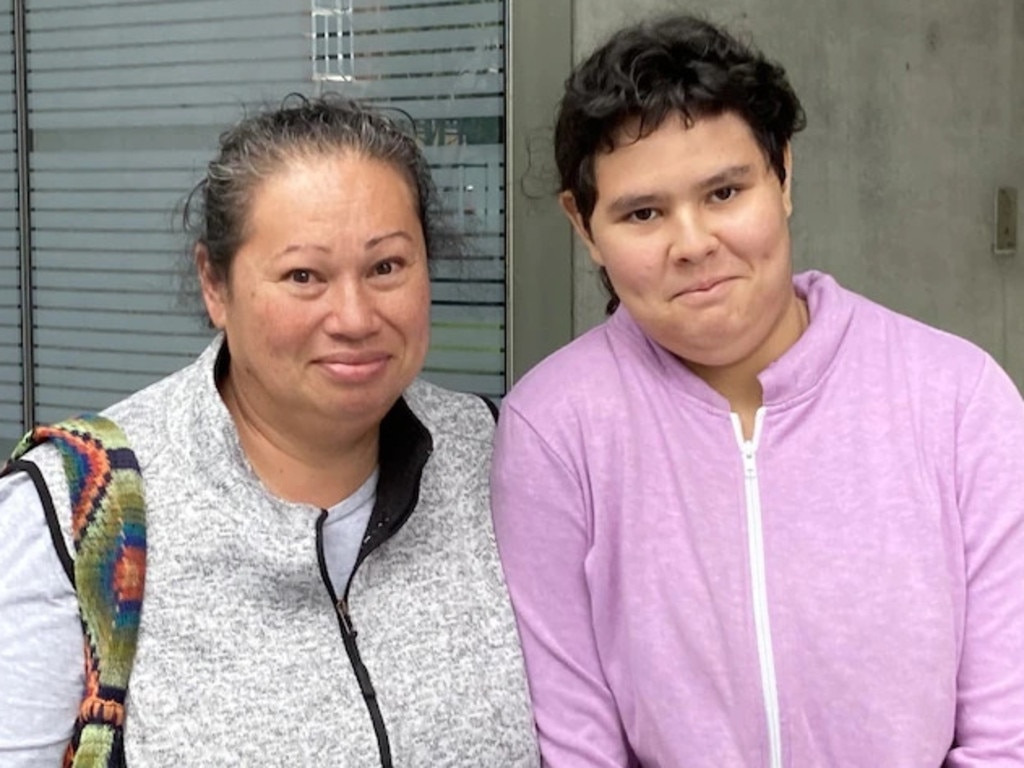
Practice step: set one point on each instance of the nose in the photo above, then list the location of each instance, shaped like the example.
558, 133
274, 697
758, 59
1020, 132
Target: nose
694, 238
351, 311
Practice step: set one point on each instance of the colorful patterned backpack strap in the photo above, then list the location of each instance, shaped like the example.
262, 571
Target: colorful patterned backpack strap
109, 532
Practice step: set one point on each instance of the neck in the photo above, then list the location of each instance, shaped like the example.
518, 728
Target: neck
297, 467
738, 382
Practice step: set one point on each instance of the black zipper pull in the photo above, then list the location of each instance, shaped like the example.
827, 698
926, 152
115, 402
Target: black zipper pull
346, 620
362, 675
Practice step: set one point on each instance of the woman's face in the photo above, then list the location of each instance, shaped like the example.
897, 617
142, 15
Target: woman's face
326, 307
692, 225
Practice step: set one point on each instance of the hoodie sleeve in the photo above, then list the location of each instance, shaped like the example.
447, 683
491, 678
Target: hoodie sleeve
540, 521
990, 495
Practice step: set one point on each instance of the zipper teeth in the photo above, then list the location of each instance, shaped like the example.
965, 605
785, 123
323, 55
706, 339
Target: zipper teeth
348, 636
758, 578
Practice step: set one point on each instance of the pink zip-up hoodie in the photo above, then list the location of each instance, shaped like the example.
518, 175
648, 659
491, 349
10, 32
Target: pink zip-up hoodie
846, 588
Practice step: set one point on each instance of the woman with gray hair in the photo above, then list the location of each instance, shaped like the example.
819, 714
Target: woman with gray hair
322, 586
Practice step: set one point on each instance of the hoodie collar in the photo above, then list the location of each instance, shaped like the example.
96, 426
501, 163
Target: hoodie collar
794, 375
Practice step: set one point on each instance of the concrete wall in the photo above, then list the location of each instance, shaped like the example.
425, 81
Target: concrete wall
915, 116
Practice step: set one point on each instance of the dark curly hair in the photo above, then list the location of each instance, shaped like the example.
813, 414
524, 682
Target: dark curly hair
216, 212
669, 65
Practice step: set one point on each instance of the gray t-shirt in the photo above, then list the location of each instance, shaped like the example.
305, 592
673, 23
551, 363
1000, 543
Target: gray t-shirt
344, 530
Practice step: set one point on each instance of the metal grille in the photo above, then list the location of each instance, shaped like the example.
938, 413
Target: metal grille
333, 49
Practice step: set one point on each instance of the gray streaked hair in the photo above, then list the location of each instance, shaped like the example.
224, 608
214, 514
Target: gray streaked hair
216, 211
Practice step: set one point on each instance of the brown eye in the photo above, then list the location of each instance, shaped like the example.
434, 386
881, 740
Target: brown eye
642, 214
301, 276
725, 193
387, 267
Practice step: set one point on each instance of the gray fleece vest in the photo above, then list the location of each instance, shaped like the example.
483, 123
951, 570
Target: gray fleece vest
244, 658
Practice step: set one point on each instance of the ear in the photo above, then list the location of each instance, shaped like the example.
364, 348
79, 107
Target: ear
568, 203
787, 185
215, 290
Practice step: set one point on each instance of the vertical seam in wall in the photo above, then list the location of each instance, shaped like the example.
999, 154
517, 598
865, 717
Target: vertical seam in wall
1005, 351
24, 145
510, 345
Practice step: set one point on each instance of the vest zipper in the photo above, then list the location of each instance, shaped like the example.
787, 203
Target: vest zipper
759, 586
348, 636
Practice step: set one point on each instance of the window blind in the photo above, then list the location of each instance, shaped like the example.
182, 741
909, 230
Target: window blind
11, 425
126, 102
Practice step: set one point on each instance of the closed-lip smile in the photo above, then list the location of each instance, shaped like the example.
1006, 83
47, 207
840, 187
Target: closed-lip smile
704, 285
354, 367
353, 358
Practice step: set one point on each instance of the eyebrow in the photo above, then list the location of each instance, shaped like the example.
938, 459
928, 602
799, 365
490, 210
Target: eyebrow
400, 233
371, 243
291, 248
729, 175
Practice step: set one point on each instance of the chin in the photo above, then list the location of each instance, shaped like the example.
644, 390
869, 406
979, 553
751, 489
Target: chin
374, 405
717, 357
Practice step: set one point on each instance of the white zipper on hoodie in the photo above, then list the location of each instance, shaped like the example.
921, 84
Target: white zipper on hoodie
759, 587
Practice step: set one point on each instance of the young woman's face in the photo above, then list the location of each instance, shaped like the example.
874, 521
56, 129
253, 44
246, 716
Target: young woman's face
326, 308
691, 224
